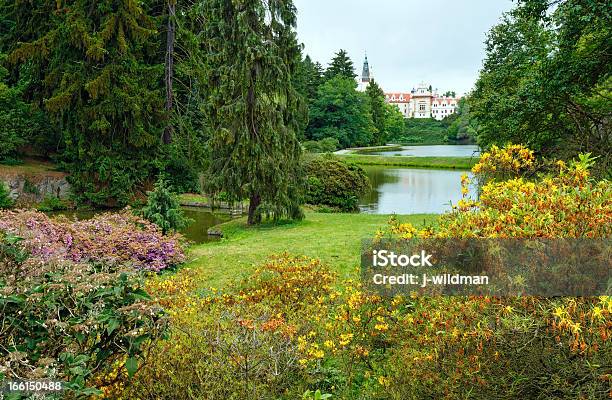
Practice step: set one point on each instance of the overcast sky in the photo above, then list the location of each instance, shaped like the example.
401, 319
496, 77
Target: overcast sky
440, 42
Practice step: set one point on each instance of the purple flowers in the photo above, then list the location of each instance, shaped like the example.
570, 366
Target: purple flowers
116, 238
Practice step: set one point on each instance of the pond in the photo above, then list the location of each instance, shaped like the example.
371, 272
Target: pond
411, 191
202, 219
467, 150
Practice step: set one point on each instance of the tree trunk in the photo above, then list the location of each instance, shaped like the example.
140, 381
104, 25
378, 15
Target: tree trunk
169, 75
254, 202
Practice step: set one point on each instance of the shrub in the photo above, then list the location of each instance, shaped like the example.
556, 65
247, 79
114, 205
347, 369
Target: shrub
518, 347
51, 203
326, 145
110, 238
6, 201
334, 183
163, 208
69, 321
238, 344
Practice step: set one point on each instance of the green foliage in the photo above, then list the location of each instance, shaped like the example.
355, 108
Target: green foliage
463, 126
341, 112
335, 183
51, 203
394, 122
21, 123
5, 199
342, 66
254, 109
317, 395
163, 208
546, 79
422, 131
326, 145
309, 78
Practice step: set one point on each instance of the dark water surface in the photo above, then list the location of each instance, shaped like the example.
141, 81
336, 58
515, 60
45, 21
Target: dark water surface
202, 219
411, 191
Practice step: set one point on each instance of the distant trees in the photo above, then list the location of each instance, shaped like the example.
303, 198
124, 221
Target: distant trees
341, 112
253, 108
463, 126
341, 65
546, 80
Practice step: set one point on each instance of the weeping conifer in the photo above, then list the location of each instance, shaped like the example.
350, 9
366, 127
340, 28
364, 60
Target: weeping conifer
253, 108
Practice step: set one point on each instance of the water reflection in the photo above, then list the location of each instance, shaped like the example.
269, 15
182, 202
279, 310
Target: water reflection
433, 151
411, 191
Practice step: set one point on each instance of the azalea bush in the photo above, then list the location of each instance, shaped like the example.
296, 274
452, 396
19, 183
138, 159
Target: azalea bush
69, 321
235, 344
112, 238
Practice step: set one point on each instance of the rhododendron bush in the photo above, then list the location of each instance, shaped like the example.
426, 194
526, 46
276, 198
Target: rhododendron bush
112, 238
72, 297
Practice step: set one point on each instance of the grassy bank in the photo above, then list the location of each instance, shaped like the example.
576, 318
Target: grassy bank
415, 162
334, 238
375, 149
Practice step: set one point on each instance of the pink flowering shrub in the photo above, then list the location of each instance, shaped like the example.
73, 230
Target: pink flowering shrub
110, 238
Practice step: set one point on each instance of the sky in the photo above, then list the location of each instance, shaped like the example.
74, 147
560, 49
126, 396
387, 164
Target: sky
440, 42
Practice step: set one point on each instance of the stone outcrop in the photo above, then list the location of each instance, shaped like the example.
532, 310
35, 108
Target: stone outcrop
27, 187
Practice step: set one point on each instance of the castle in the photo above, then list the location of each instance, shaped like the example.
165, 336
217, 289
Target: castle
422, 102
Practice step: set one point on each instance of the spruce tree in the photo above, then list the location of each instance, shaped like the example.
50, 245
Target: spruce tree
253, 108
341, 65
376, 98
99, 75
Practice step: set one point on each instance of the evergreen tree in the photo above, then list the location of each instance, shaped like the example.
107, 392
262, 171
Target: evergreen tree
341, 65
253, 108
163, 208
98, 69
311, 78
376, 99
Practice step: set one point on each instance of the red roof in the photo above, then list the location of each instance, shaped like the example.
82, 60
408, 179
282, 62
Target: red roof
395, 97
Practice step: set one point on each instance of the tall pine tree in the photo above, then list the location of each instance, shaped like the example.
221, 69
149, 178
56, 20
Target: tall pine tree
376, 98
254, 108
341, 65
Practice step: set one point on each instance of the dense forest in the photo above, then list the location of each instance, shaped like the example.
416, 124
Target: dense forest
118, 92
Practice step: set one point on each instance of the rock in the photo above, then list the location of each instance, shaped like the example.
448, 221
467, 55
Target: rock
214, 232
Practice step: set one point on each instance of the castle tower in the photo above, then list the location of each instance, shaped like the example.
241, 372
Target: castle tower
366, 76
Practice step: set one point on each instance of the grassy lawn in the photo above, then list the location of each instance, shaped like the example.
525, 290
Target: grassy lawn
416, 162
333, 238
